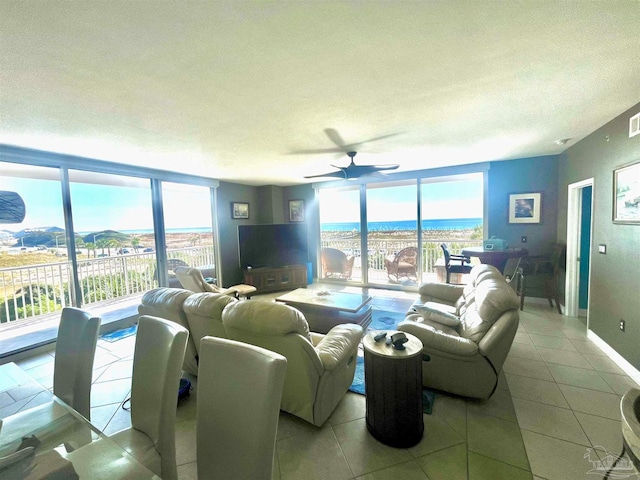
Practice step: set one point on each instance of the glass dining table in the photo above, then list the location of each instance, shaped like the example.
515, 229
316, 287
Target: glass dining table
43, 437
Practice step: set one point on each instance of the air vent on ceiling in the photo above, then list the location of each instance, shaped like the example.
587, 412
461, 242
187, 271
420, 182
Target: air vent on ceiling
634, 125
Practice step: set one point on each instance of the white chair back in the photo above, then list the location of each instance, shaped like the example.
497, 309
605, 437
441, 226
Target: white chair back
75, 353
239, 393
157, 361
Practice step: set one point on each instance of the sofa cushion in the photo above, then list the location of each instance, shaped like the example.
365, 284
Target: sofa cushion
439, 313
417, 318
493, 296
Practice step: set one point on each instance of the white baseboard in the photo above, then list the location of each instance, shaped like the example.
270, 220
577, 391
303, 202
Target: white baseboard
615, 356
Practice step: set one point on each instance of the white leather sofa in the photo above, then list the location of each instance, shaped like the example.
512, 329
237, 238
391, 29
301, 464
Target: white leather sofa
466, 358
320, 368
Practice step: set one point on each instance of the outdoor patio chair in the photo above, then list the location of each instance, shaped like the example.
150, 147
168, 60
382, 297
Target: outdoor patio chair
402, 264
336, 264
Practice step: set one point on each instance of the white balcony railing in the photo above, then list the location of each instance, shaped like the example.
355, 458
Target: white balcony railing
379, 249
33, 290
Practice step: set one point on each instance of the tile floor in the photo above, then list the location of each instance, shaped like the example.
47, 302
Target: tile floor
558, 398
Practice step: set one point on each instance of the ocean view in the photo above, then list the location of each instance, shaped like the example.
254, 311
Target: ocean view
404, 225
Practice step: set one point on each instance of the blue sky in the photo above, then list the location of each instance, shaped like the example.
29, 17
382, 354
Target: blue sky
101, 207
462, 199
105, 207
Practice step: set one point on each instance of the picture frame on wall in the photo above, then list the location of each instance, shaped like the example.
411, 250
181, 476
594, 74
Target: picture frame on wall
525, 207
239, 211
296, 211
626, 194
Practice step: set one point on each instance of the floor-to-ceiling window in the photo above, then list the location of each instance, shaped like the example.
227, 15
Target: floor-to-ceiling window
340, 239
392, 233
34, 271
394, 248
189, 239
91, 233
113, 226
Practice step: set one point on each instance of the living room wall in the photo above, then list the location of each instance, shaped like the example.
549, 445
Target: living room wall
615, 276
228, 227
267, 205
525, 175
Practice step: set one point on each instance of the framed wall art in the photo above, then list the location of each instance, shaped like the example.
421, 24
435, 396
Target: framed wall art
525, 207
239, 210
296, 210
626, 194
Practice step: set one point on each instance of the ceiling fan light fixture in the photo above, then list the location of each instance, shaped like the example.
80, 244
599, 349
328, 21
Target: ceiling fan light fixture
562, 141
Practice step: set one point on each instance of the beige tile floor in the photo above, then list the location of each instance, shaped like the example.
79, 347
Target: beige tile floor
558, 397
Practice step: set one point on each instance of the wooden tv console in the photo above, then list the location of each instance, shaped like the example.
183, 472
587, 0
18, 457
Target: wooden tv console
269, 279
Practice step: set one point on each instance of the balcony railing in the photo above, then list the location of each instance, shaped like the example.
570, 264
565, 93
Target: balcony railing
379, 249
35, 290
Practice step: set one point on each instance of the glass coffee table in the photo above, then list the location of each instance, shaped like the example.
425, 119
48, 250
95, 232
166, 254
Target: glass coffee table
324, 309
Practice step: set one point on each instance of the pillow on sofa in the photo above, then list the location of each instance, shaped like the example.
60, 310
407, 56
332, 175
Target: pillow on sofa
437, 312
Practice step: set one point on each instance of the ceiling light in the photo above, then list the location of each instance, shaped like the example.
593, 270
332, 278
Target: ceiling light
562, 141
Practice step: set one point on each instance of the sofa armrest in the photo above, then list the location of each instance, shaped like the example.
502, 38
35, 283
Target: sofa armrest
340, 342
441, 291
496, 343
316, 338
433, 338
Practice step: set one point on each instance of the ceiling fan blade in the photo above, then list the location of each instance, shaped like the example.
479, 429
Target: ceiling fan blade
335, 137
339, 174
374, 139
357, 171
317, 150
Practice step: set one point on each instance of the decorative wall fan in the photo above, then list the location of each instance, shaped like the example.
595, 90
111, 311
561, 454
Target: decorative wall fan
352, 170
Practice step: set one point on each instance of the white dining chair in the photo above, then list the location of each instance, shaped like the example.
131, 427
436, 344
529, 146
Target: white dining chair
238, 405
75, 353
157, 362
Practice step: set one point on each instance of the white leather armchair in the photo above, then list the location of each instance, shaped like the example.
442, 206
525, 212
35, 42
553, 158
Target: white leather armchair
204, 315
465, 358
320, 368
167, 303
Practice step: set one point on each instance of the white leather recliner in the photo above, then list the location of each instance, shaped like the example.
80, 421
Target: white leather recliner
466, 331
167, 303
204, 315
320, 368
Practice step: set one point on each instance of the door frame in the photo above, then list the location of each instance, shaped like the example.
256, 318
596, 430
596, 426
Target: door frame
572, 280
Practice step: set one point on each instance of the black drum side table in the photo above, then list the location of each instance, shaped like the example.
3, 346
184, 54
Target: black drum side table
393, 382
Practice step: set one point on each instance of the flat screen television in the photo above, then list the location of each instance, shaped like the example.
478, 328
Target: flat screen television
272, 245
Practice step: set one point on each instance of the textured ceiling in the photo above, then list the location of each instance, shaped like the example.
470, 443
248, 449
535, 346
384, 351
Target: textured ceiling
232, 90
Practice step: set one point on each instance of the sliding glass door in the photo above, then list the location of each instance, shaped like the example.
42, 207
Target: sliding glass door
392, 233
393, 229
340, 240
452, 213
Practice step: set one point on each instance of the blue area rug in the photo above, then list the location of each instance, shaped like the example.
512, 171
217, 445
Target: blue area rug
119, 334
386, 321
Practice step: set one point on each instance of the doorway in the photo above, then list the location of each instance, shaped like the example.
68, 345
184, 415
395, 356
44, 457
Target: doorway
579, 231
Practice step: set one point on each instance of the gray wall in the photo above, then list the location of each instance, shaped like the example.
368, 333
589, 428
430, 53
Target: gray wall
267, 205
228, 227
527, 175
615, 277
